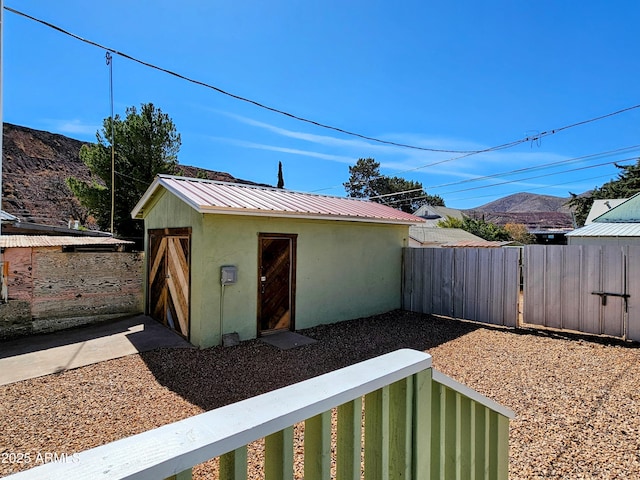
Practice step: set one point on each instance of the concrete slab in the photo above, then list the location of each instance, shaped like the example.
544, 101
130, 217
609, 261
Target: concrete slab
38, 355
287, 340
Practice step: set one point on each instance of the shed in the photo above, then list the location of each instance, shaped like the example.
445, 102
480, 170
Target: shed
229, 257
57, 282
619, 225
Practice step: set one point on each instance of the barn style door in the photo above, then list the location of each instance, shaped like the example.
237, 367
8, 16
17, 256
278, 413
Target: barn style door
276, 282
169, 281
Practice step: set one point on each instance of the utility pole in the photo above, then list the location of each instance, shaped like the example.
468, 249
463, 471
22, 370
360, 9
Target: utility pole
113, 153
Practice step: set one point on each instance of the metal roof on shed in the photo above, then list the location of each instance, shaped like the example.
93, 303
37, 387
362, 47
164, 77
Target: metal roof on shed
209, 196
16, 241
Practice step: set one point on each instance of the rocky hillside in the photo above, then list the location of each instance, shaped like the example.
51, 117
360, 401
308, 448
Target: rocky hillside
35, 167
526, 202
537, 212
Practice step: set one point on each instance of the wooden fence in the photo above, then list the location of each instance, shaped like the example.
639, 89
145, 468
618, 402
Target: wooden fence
584, 288
418, 424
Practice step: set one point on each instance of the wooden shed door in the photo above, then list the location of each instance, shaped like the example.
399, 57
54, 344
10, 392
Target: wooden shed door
276, 282
169, 281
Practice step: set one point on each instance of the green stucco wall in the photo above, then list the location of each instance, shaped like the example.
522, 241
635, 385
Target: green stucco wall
345, 270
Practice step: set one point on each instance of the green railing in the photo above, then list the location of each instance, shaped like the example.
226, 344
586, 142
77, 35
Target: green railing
418, 424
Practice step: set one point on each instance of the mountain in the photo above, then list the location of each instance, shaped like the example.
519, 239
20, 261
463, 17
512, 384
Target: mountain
525, 203
35, 167
537, 212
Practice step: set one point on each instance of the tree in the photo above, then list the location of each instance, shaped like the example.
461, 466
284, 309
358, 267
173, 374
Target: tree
146, 144
280, 177
626, 185
519, 233
365, 181
485, 230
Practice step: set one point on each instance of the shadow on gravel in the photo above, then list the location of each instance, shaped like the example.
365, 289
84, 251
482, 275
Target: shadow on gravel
219, 376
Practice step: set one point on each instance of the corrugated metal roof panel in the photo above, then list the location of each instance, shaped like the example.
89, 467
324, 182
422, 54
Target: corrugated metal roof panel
607, 230
602, 206
425, 234
478, 244
627, 211
15, 241
208, 196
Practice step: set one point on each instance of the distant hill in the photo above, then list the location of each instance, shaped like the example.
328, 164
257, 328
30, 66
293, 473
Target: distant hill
537, 212
35, 167
525, 203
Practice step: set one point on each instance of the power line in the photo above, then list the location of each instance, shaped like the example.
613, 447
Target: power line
520, 179
597, 177
516, 171
464, 153
232, 95
539, 167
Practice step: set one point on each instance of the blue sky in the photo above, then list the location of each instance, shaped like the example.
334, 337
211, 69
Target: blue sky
457, 75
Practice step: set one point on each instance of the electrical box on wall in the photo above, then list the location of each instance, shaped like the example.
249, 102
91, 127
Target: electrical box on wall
228, 274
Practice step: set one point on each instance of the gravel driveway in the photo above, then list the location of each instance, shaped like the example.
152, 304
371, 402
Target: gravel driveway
577, 400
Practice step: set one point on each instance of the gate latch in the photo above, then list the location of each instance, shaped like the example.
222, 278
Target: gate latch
604, 295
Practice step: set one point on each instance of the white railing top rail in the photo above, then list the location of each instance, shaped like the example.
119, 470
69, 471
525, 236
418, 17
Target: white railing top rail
176, 447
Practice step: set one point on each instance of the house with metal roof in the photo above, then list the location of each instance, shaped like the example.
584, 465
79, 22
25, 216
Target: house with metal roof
52, 282
253, 260
602, 206
435, 214
619, 225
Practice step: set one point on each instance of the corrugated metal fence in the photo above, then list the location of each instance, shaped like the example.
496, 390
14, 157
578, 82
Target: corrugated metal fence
585, 288
480, 284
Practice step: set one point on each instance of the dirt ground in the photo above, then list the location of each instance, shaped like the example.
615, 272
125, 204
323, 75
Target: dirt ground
577, 399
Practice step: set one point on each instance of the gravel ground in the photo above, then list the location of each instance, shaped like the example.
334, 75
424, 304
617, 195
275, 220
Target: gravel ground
577, 400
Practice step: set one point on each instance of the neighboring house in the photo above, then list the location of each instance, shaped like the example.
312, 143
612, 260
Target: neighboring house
423, 236
600, 207
433, 215
11, 225
57, 282
618, 226
227, 257
429, 234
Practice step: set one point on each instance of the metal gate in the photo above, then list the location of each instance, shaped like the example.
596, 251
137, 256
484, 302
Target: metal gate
586, 288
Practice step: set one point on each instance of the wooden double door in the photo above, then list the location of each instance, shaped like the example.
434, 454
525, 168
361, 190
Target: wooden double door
276, 282
169, 278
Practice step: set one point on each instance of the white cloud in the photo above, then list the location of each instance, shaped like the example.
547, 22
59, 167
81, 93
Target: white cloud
293, 151
75, 127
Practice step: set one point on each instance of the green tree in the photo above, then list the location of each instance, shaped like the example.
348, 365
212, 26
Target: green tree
365, 181
479, 227
146, 144
626, 185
